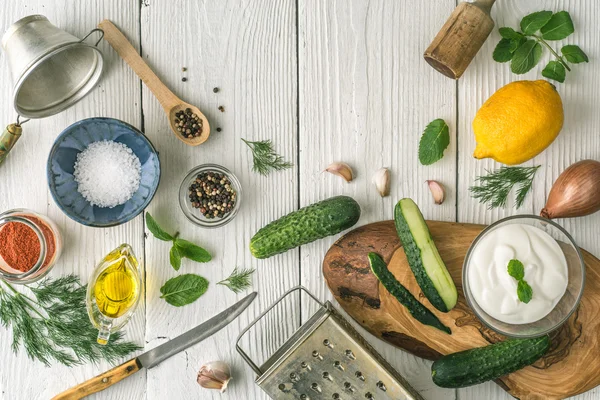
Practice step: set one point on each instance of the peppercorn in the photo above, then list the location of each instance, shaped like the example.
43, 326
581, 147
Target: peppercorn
221, 108
219, 129
212, 193
216, 90
188, 123
184, 79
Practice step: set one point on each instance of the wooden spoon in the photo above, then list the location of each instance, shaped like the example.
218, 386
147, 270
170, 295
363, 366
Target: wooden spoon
170, 103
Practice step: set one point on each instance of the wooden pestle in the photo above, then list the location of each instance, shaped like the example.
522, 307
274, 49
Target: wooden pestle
461, 37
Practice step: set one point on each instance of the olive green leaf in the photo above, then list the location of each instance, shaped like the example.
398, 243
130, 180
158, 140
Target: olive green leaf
183, 289
516, 43
526, 57
156, 230
509, 33
524, 291
190, 250
555, 70
502, 51
434, 141
558, 27
516, 269
532, 23
574, 54
175, 258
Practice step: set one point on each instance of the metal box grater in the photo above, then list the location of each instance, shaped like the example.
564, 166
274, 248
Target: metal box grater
326, 358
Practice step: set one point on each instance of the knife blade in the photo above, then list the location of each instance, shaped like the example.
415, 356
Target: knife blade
160, 353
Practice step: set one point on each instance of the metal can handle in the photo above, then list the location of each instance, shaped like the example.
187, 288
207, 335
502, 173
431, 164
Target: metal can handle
92, 31
241, 351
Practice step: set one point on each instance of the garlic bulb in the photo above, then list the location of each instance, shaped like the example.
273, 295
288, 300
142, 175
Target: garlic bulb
381, 179
341, 169
437, 191
214, 375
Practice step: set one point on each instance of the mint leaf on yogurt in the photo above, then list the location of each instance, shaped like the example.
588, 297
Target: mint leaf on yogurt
524, 291
516, 269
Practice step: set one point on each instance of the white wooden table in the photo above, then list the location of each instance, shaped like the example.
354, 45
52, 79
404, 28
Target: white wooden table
326, 80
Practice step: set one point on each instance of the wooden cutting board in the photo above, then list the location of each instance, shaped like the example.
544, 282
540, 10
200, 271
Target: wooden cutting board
571, 366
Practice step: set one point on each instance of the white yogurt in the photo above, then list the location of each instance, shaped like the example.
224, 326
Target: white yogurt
495, 291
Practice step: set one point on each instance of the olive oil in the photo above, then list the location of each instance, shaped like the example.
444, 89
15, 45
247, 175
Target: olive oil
114, 291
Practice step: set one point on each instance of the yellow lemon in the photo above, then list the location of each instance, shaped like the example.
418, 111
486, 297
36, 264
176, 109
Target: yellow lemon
518, 122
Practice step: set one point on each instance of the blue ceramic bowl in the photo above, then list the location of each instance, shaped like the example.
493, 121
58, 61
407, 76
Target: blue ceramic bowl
61, 163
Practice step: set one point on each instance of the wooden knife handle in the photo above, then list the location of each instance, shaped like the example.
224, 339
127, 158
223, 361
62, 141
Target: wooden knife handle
101, 381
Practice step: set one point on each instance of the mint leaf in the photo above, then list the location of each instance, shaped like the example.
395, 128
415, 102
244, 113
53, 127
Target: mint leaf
532, 23
434, 141
524, 291
509, 33
502, 51
555, 70
526, 57
191, 251
574, 54
156, 230
516, 43
184, 289
559, 27
175, 258
516, 269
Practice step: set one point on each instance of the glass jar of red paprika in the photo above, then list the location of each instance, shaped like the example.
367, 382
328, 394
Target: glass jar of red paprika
30, 244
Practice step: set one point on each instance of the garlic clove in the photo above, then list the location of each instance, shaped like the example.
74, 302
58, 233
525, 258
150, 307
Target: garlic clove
341, 169
381, 179
214, 375
437, 191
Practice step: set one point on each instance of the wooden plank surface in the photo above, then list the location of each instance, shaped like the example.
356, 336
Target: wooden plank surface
366, 95
578, 140
248, 50
326, 81
24, 185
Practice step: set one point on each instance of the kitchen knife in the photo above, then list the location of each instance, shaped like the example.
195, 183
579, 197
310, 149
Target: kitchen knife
158, 354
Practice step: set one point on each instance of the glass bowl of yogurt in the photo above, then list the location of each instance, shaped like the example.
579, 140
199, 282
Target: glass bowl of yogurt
544, 256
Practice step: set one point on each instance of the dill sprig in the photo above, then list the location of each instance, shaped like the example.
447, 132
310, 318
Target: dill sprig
239, 279
496, 186
265, 157
53, 325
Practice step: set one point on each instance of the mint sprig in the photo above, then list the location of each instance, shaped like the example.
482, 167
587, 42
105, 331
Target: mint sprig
434, 141
524, 291
181, 248
183, 289
524, 49
517, 270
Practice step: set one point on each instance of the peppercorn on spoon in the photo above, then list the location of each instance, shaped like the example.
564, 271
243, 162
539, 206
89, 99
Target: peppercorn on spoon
168, 100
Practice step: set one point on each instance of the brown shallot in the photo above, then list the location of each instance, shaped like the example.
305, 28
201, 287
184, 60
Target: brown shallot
576, 192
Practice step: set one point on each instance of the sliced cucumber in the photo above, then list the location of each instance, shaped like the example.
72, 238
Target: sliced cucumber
417, 310
423, 257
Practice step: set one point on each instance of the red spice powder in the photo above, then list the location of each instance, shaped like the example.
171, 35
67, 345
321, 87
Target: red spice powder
20, 247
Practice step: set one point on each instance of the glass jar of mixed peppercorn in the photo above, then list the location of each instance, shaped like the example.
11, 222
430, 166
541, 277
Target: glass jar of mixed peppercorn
209, 195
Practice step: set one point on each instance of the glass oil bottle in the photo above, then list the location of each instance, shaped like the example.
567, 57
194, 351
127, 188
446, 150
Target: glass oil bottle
114, 291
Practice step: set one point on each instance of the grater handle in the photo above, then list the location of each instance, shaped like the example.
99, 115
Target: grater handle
241, 351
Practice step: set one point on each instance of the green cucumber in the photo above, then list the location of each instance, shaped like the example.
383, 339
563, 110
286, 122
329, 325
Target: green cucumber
482, 364
417, 310
423, 257
306, 225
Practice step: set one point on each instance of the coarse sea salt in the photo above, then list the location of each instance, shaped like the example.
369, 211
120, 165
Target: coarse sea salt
107, 173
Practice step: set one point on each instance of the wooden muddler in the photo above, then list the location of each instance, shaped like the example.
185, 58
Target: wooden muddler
461, 37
